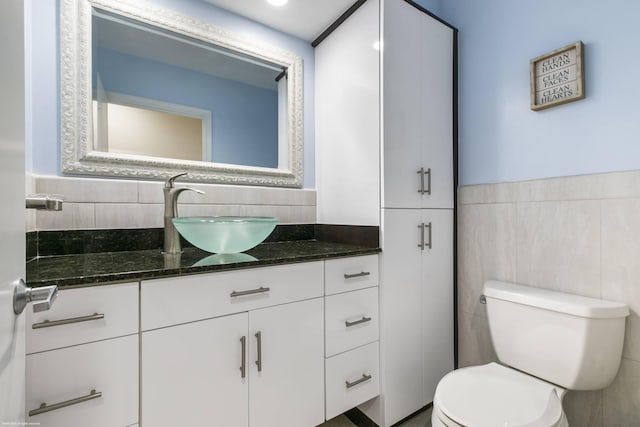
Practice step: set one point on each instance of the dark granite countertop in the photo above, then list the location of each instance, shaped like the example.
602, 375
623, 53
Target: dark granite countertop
111, 267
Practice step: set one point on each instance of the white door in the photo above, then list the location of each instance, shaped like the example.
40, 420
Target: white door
417, 109
437, 298
196, 374
12, 230
401, 312
402, 106
287, 368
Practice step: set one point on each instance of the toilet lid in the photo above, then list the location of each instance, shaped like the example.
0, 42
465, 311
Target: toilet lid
493, 395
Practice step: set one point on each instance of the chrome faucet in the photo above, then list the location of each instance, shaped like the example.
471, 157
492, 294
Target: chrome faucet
171, 193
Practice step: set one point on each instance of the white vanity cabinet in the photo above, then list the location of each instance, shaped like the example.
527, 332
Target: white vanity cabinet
352, 333
248, 349
82, 359
409, 121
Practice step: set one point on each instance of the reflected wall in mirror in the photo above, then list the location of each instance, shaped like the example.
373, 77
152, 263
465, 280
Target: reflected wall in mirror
147, 91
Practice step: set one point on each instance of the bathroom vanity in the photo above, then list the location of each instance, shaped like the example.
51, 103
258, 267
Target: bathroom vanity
290, 344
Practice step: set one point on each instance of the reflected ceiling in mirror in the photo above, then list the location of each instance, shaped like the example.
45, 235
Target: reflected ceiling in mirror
159, 92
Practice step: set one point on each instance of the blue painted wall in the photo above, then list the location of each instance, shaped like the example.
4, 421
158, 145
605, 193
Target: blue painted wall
244, 117
501, 138
44, 116
433, 6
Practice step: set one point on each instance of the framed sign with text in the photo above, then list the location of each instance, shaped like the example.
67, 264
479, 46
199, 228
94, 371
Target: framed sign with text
557, 77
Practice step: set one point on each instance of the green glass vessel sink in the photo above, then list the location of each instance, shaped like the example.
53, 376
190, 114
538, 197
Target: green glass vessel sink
225, 234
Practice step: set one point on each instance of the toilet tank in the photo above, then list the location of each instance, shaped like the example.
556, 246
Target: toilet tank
569, 340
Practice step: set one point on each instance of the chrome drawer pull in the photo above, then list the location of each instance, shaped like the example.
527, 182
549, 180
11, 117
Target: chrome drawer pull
353, 276
47, 408
364, 378
50, 323
357, 322
260, 290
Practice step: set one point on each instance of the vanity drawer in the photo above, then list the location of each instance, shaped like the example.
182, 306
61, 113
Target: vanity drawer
109, 367
83, 315
348, 274
351, 379
351, 320
178, 300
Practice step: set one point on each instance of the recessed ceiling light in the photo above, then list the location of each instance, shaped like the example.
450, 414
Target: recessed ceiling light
277, 2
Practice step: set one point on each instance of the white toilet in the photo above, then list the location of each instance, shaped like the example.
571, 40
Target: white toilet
548, 342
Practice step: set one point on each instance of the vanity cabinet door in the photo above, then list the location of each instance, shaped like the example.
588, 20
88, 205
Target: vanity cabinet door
287, 365
192, 374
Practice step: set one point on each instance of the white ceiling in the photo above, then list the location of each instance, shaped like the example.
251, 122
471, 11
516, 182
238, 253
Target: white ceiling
305, 19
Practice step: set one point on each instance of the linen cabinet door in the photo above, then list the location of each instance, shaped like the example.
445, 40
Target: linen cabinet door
437, 298
192, 374
402, 106
401, 314
287, 365
436, 86
417, 109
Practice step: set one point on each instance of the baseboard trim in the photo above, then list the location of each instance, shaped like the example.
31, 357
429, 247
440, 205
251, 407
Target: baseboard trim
358, 417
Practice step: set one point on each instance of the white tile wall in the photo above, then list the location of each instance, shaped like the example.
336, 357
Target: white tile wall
575, 234
486, 250
559, 246
110, 203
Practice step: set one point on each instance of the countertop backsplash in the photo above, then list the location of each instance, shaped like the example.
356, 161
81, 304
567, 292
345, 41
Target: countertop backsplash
93, 203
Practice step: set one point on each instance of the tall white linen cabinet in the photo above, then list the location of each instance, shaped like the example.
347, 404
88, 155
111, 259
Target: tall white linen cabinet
385, 155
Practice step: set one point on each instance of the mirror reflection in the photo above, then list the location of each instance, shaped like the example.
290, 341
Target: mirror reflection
159, 94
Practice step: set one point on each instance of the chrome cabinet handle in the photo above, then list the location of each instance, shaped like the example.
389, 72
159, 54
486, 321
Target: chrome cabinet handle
51, 323
260, 290
259, 341
428, 226
357, 322
243, 366
42, 298
428, 173
422, 245
422, 173
364, 378
48, 408
353, 276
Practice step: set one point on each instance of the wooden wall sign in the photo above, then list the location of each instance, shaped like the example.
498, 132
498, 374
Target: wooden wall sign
557, 77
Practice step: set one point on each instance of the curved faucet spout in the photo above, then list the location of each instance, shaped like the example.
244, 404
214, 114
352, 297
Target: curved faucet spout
171, 200
171, 193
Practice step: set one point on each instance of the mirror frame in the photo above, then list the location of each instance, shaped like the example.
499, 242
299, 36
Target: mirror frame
77, 153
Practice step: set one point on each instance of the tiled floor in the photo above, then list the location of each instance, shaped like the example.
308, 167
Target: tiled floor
423, 419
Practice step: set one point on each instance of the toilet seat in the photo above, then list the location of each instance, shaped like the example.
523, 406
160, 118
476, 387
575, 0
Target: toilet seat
493, 395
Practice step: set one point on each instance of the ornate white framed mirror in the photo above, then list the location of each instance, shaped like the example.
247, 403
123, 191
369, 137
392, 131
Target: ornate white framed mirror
147, 92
